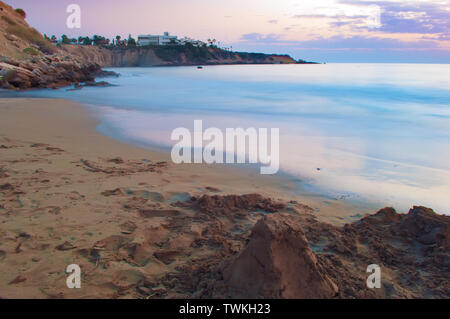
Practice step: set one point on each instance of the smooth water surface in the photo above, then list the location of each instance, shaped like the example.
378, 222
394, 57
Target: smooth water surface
377, 132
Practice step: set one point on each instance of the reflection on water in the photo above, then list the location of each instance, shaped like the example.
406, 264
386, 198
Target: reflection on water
377, 131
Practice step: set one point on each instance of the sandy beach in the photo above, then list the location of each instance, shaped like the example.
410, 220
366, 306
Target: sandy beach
140, 226
67, 189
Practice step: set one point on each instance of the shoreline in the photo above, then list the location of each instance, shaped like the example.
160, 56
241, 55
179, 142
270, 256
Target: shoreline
282, 185
325, 191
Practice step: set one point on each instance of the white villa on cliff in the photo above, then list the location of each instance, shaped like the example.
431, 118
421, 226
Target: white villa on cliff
165, 39
150, 39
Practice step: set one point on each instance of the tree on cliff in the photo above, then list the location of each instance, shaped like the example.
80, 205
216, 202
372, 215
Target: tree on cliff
131, 41
65, 39
100, 40
87, 41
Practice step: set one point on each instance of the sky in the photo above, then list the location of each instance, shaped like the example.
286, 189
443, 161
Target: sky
411, 31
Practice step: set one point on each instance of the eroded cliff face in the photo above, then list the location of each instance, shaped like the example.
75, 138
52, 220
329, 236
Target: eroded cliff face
114, 57
169, 56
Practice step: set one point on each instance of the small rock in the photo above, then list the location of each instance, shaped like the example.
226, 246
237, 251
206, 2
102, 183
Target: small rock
17, 280
66, 246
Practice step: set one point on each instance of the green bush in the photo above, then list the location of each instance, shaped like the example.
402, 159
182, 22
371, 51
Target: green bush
31, 51
21, 12
31, 35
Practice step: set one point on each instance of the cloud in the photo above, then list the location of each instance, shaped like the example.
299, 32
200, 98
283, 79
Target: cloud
409, 16
354, 23
349, 49
391, 17
273, 21
361, 42
261, 38
341, 42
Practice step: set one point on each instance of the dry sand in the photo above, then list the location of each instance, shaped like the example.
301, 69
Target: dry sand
68, 192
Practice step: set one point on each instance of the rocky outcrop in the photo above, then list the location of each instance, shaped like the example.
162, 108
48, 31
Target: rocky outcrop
27, 60
46, 72
278, 263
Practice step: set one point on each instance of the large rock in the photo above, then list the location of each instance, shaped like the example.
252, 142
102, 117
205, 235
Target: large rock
278, 263
46, 71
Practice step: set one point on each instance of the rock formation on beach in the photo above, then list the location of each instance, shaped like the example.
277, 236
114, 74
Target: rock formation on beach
28, 60
292, 255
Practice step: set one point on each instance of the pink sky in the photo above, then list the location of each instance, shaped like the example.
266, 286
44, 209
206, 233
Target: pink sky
321, 30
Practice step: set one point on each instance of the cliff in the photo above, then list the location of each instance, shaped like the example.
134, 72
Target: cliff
171, 55
28, 60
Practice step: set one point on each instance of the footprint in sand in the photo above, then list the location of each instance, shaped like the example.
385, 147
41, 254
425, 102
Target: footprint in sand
128, 227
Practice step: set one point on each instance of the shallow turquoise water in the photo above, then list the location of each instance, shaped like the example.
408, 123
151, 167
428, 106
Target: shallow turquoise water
378, 132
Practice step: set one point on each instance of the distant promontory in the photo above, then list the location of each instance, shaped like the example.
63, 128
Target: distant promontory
30, 60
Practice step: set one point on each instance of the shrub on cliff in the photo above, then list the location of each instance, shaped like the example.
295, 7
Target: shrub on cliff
31, 35
131, 41
21, 12
31, 51
65, 39
168, 52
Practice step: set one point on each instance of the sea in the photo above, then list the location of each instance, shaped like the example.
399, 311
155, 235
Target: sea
378, 133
